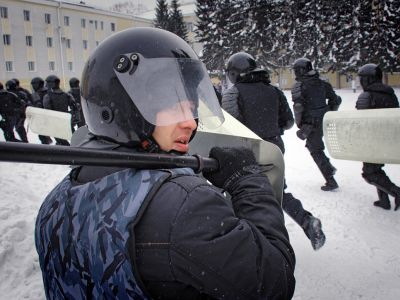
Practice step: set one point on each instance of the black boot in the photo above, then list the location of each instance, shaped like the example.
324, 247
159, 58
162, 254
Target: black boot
383, 201
395, 192
313, 229
330, 184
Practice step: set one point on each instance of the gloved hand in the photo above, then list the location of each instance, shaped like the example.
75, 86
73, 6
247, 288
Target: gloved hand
233, 164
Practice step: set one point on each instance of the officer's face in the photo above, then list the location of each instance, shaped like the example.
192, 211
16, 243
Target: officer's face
177, 135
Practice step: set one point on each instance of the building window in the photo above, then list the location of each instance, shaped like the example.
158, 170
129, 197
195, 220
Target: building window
66, 20
47, 18
49, 42
68, 43
27, 15
112, 26
101, 25
28, 39
31, 65
7, 39
52, 66
84, 44
70, 66
4, 12
83, 23
9, 66
95, 24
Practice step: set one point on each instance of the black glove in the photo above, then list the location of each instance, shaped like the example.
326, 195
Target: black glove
233, 164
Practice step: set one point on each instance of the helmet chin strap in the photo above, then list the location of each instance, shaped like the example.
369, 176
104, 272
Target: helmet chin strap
150, 145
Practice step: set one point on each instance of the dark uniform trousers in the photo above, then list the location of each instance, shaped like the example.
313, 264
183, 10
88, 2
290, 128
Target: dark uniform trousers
315, 145
290, 204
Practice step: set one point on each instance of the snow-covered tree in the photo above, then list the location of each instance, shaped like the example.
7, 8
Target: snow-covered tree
176, 24
382, 46
162, 15
335, 35
212, 30
344, 48
262, 38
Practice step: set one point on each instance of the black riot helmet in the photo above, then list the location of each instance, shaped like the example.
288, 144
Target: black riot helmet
16, 81
37, 83
74, 82
369, 73
11, 85
239, 65
302, 66
136, 73
52, 82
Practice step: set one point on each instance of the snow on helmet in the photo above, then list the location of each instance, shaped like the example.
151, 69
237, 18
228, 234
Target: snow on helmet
240, 64
369, 73
302, 66
136, 73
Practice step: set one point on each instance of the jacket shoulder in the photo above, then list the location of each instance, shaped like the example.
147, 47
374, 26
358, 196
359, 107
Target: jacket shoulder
188, 182
364, 101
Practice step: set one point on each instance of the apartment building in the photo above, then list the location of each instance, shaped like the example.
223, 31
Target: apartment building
42, 37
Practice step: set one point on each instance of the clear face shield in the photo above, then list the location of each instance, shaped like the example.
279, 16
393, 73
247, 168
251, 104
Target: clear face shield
179, 86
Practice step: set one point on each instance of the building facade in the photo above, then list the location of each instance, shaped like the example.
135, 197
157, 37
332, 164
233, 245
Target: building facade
43, 37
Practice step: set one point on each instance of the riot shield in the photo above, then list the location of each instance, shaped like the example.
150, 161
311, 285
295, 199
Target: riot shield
368, 135
49, 122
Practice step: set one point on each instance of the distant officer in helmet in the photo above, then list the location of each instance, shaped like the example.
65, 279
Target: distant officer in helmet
263, 108
159, 234
312, 98
38, 93
377, 95
75, 90
21, 104
9, 111
28, 94
57, 99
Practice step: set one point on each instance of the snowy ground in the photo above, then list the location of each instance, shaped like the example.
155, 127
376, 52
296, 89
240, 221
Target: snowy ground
360, 259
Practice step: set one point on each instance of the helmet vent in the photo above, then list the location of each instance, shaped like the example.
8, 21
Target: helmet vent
106, 115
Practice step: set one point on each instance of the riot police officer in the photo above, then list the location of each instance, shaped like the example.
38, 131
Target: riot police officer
21, 104
8, 111
159, 234
264, 109
58, 100
310, 95
77, 115
28, 95
377, 95
39, 91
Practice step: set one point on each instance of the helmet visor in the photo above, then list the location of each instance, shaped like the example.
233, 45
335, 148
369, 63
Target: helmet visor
167, 85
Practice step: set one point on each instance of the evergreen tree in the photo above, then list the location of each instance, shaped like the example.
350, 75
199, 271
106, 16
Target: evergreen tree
295, 30
176, 24
344, 46
239, 28
336, 36
384, 27
205, 11
263, 36
212, 28
392, 15
162, 15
